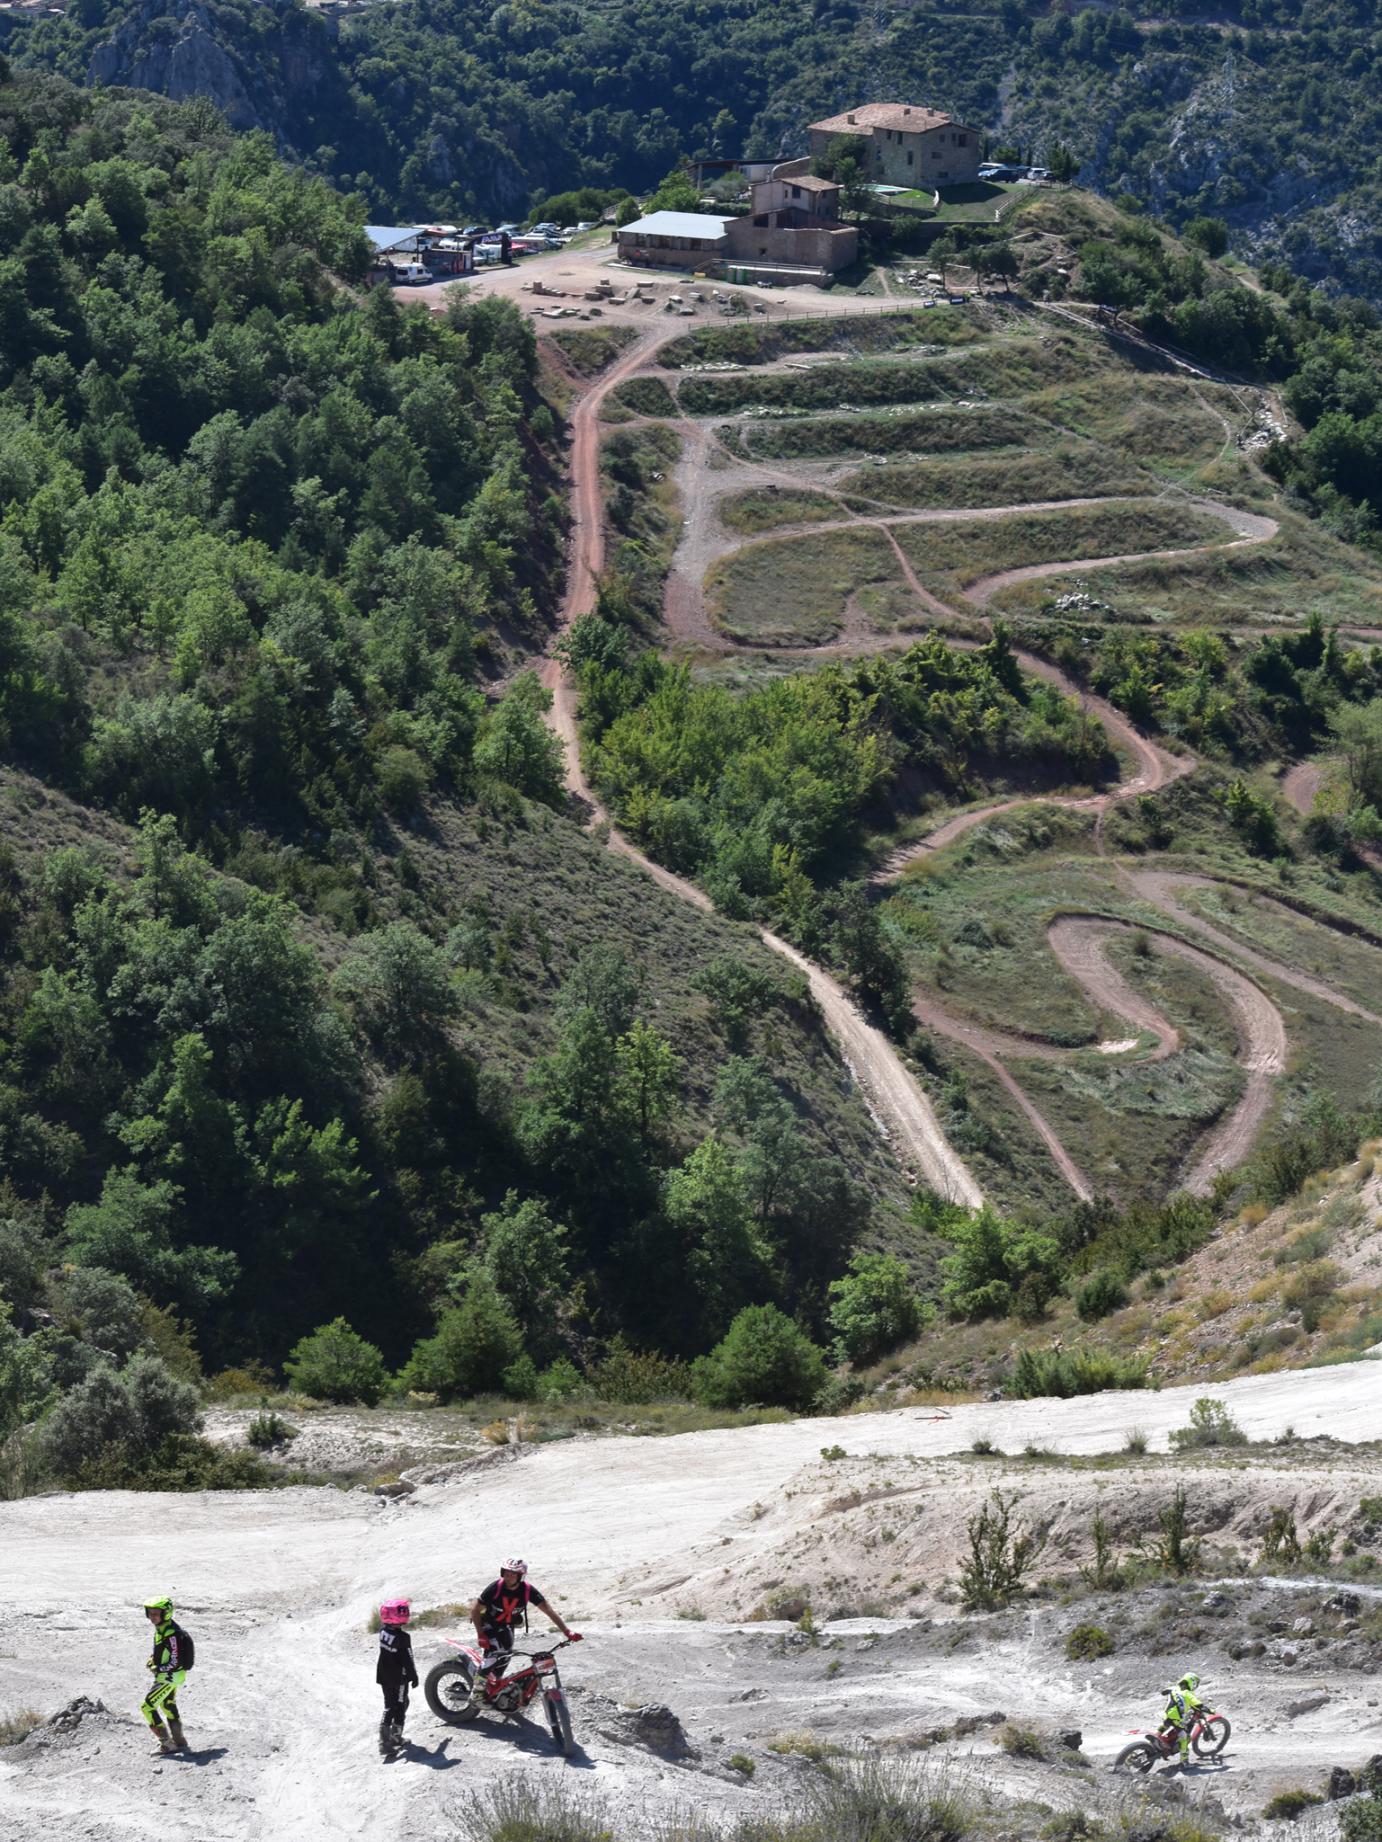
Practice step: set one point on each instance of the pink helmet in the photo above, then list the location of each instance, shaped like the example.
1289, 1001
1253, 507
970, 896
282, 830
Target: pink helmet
395, 1612
518, 1567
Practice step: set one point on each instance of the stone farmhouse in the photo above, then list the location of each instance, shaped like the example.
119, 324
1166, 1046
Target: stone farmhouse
792, 232
903, 144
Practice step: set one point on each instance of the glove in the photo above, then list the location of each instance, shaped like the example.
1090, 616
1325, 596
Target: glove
573, 1637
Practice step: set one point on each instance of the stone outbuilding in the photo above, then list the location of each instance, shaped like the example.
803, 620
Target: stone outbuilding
903, 144
791, 232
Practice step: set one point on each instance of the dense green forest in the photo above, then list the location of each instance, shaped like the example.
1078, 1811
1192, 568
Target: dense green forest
315, 1012
1260, 111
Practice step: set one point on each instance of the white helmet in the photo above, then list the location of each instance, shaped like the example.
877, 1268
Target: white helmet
518, 1567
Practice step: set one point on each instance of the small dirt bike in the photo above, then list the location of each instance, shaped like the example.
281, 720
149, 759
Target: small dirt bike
450, 1685
1208, 1738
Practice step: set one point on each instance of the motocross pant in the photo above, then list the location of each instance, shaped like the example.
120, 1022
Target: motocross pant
161, 1702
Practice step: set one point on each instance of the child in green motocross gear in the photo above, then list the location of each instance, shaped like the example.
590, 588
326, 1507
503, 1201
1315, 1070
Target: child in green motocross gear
167, 1663
1182, 1705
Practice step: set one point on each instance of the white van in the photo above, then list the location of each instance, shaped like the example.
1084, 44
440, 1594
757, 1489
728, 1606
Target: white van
407, 271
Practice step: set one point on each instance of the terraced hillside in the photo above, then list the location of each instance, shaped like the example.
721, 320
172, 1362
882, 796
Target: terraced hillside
829, 493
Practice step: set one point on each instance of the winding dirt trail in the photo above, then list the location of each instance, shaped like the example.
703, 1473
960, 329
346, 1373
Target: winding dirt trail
1079, 943
894, 1096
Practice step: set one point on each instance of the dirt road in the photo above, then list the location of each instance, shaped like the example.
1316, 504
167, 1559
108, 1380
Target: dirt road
895, 1097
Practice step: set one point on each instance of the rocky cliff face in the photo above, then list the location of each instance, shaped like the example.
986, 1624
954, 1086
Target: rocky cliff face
171, 46
272, 68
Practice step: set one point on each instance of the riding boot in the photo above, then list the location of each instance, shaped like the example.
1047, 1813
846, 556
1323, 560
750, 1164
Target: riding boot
160, 1733
179, 1737
385, 1737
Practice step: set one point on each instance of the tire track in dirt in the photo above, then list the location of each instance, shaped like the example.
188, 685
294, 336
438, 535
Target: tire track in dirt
895, 1098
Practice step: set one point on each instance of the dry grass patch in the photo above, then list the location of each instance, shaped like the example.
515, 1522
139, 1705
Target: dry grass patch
942, 430
766, 507
947, 556
18, 1725
794, 591
1065, 472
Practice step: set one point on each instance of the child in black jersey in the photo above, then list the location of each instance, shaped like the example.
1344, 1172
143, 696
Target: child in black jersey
395, 1673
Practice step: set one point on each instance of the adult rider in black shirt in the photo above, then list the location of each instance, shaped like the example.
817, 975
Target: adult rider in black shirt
494, 1613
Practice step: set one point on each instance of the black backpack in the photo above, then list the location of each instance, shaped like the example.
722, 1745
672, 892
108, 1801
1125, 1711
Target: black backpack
187, 1650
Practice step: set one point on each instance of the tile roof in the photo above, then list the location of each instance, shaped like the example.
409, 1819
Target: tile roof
907, 116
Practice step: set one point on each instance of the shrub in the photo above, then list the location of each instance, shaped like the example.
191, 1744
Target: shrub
559, 1381
872, 1308
999, 1556
267, 1430
1103, 1571
521, 1380
740, 1762
1211, 1424
1291, 1804
1280, 1542
1135, 1441
1086, 1643
182, 1462
839, 1394
474, 1346
1309, 1292
1101, 1293
764, 1360
403, 779
1173, 1549
1021, 1743
335, 1363
529, 1810
18, 1726
1360, 1820
1063, 1373
129, 1412
637, 1378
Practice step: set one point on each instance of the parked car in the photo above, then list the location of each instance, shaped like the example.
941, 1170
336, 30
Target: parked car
1001, 173
473, 230
408, 271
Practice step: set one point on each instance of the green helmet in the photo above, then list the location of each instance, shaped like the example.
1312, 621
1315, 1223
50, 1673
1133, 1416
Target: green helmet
161, 1604
1189, 1683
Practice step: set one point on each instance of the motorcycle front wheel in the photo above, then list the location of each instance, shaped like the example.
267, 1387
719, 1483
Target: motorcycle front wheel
1212, 1738
447, 1688
559, 1720
1139, 1757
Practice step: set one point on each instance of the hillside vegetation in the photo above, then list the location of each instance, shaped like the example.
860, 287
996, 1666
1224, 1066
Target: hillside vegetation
317, 1010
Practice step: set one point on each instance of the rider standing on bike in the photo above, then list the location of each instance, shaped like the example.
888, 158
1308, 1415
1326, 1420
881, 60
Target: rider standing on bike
496, 1611
1183, 1704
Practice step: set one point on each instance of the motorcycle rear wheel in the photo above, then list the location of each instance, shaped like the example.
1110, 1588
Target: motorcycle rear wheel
447, 1688
1212, 1738
1141, 1756
559, 1720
